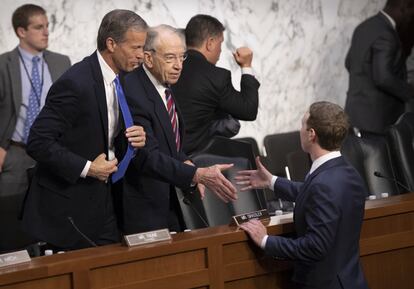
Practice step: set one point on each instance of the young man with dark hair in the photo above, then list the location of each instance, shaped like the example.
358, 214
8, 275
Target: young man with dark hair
209, 103
26, 74
329, 207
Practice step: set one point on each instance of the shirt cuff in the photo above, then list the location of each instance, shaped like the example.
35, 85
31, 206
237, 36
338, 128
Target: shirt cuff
85, 170
263, 243
272, 183
247, 70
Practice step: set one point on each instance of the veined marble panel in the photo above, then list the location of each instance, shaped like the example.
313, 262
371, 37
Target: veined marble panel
299, 45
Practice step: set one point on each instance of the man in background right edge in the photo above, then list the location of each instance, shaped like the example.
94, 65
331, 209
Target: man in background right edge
378, 88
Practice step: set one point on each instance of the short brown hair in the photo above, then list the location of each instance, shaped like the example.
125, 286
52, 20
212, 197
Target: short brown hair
22, 14
116, 23
330, 123
201, 27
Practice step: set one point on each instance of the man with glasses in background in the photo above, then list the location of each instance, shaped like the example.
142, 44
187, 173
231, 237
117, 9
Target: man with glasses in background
149, 197
26, 74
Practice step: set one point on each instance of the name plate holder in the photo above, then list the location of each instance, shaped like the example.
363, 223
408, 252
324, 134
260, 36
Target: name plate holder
14, 258
262, 215
147, 237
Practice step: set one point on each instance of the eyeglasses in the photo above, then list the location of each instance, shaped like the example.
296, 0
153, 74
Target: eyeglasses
172, 58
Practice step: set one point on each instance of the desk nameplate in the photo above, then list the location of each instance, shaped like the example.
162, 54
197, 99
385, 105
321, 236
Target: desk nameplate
147, 237
259, 215
14, 258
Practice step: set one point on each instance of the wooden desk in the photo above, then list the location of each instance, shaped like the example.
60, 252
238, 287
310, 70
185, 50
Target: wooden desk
222, 257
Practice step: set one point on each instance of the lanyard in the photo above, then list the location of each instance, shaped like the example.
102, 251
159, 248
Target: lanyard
30, 79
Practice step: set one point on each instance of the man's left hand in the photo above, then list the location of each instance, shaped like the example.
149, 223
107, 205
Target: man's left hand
136, 136
256, 230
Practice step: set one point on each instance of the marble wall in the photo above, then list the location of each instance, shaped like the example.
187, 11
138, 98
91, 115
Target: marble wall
299, 45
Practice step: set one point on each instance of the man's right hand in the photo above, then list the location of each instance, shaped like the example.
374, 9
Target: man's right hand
212, 178
243, 57
254, 179
3, 154
101, 169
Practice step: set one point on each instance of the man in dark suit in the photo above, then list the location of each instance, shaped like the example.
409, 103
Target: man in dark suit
72, 141
329, 207
29, 64
378, 88
205, 94
149, 196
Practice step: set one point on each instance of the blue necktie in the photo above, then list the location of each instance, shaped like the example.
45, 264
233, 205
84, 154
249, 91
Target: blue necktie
33, 107
123, 165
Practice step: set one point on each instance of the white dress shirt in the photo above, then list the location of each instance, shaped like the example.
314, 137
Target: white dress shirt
112, 108
160, 89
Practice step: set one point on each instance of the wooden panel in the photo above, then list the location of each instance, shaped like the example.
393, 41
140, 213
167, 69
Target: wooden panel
61, 282
240, 251
394, 269
273, 281
152, 268
387, 225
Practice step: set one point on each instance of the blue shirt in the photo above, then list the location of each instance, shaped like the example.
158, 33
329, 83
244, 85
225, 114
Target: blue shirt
26, 87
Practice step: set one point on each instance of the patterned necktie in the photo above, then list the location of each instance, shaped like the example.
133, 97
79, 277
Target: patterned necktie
123, 165
34, 98
172, 112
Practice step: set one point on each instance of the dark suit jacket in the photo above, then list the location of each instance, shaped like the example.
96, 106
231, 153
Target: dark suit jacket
149, 197
71, 128
378, 86
11, 88
204, 92
328, 216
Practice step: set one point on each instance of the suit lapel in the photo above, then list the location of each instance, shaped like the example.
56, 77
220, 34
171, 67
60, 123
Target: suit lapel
100, 94
51, 65
13, 67
159, 109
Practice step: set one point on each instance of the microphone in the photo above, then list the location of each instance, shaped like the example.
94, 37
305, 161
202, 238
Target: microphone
379, 175
92, 243
188, 203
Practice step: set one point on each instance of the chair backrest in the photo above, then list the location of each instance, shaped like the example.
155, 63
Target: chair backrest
281, 147
401, 140
369, 154
251, 141
214, 211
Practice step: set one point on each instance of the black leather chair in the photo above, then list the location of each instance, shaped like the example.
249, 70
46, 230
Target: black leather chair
401, 139
253, 143
212, 211
370, 153
284, 149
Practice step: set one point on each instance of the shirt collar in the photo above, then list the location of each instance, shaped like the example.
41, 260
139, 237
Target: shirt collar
323, 159
393, 24
158, 85
27, 56
107, 72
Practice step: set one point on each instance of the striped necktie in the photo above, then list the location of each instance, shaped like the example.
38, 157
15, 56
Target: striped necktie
172, 112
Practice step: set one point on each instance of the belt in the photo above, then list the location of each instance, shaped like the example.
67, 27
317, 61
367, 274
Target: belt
17, 144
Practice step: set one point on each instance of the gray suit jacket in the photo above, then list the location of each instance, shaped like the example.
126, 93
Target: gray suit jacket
11, 88
378, 88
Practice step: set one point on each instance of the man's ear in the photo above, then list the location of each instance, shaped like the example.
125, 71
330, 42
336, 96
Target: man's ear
312, 135
148, 60
209, 44
21, 32
110, 44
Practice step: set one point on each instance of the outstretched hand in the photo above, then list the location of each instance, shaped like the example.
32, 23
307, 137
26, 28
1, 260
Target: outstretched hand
254, 179
213, 179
